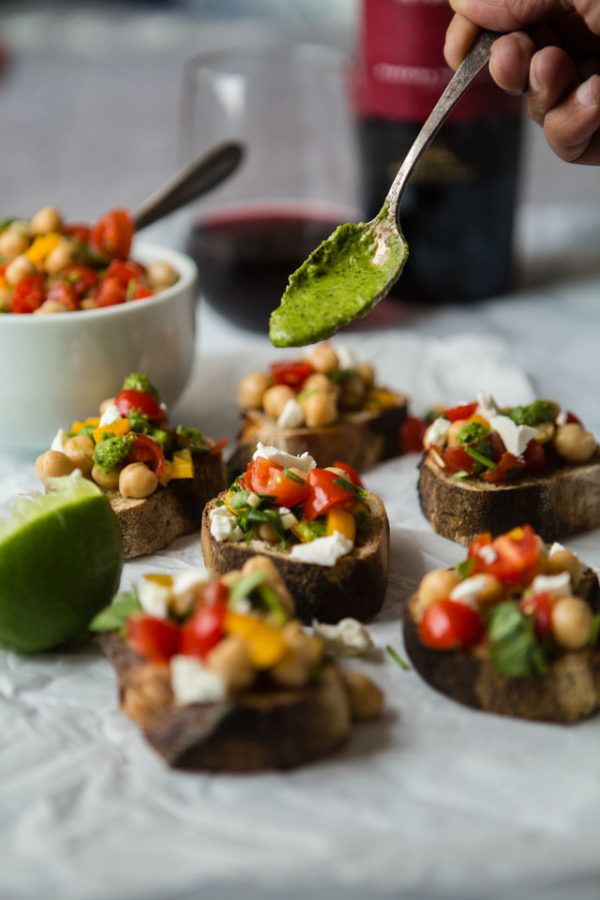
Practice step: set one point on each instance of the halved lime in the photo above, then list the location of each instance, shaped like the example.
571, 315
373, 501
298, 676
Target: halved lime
60, 562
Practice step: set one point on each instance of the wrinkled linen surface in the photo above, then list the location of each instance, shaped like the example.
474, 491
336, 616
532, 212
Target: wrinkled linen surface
435, 800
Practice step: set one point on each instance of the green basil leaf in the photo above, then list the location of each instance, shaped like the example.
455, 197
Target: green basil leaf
514, 648
480, 458
293, 476
115, 616
243, 586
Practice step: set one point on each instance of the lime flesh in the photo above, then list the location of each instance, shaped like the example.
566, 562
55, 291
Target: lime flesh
60, 562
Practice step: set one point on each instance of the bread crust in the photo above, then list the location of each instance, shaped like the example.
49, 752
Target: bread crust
355, 586
568, 692
269, 729
556, 506
170, 512
362, 439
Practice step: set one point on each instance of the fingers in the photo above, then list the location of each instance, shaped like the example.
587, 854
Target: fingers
552, 76
510, 61
511, 15
572, 128
460, 37
589, 10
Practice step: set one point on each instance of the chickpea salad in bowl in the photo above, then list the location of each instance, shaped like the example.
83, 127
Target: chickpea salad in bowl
48, 265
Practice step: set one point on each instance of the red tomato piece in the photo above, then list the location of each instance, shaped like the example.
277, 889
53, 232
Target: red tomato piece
113, 233
540, 607
111, 293
449, 625
218, 446
29, 293
457, 459
507, 464
482, 540
78, 231
535, 458
293, 373
204, 630
128, 399
511, 557
572, 419
82, 278
324, 493
213, 592
142, 293
64, 293
156, 639
263, 476
462, 411
351, 472
497, 445
146, 450
412, 432
124, 271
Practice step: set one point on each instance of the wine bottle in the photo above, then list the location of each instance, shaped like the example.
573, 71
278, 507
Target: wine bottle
458, 211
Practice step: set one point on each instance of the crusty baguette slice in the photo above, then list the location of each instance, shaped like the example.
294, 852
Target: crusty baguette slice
151, 524
564, 503
277, 729
355, 586
568, 692
361, 439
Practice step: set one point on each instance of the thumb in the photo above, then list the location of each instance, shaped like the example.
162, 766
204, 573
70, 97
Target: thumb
509, 15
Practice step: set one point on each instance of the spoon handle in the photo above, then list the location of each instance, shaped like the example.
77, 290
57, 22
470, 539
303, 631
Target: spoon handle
469, 69
191, 182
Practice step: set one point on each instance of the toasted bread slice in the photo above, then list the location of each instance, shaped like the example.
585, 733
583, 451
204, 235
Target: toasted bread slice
277, 729
563, 503
363, 438
170, 512
568, 692
355, 586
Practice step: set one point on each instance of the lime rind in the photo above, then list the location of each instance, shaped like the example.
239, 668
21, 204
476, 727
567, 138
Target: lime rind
63, 492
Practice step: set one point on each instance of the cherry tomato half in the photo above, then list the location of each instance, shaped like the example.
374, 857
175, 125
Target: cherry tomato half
325, 493
204, 630
511, 557
78, 231
535, 458
462, 411
111, 292
457, 459
124, 271
540, 607
147, 451
29, 293
293, 373
412, 432
507, 467
128, 399
82, 278
156, 639
112, 234
263, 476
65, 294
449, 625
351, 472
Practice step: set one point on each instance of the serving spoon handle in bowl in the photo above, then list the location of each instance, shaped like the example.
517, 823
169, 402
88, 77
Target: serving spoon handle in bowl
195, 179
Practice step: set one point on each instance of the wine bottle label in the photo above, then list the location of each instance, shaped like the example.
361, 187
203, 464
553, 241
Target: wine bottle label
402, 71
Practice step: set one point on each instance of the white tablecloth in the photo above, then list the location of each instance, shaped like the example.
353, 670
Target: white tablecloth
436, 800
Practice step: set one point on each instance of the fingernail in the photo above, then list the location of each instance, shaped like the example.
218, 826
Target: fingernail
588, 93
534, 81
457, 5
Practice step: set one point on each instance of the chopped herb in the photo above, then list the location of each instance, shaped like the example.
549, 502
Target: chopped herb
465, 568
514, 648
115, 616
304, 395
87, 255
341, 375
533, 414
4, 223
112, 451
480, 458
308, 531
293, 476
351, 488
243, 586
190, 439
437, 458
87, 431
460, 476
273, 604
136, 381
239, 499
397, 658
471, 433
220, 503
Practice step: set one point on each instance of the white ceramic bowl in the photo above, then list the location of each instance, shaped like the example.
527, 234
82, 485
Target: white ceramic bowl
57, 368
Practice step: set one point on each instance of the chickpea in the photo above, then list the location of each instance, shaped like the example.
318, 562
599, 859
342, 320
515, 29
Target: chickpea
365, 697
231, 661
437, 585
22, 228
318, 382
105, 404
275, 398
46, 219
320, 409
61, 257
53, 464
490, 592
573, 443
352, 392
252, 390
137, 481
88, 303
545, 432
291, 671
162, 275
366, 373
266, 532
109, 481
19, 268
80, 450
454, 430
49, 307
572, 623
307, 647
323, 359
564, 561
12, 244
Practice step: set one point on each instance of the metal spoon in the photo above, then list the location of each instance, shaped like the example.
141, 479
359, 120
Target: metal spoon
189, 183
358, 264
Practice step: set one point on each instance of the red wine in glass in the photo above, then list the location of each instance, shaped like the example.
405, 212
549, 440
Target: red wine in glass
246, 254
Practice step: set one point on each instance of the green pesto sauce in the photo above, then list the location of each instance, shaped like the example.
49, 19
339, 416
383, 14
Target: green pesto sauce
340, 281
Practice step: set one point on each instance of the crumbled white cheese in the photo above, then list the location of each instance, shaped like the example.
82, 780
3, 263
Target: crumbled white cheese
223, 525
288, 519
194, 683
514, 437
347, 358
348, 638
487, 554
555, 548
486, 405
304, 463
324, 551
292, 415
253, 500
185, 587
111, 414
469, 590
58, 441
154, 598
561, 418
555, 585
436, 433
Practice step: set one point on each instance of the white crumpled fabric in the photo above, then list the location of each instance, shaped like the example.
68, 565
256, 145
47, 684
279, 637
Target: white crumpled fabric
435, 800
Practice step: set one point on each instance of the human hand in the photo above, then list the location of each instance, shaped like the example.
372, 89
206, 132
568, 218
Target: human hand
555, 62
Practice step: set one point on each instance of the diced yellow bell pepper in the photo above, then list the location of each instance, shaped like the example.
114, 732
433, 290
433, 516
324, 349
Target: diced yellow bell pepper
183, 465
42, 247
381, 398
121, 426
160, 578
77, 426
343, 521
265, 644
